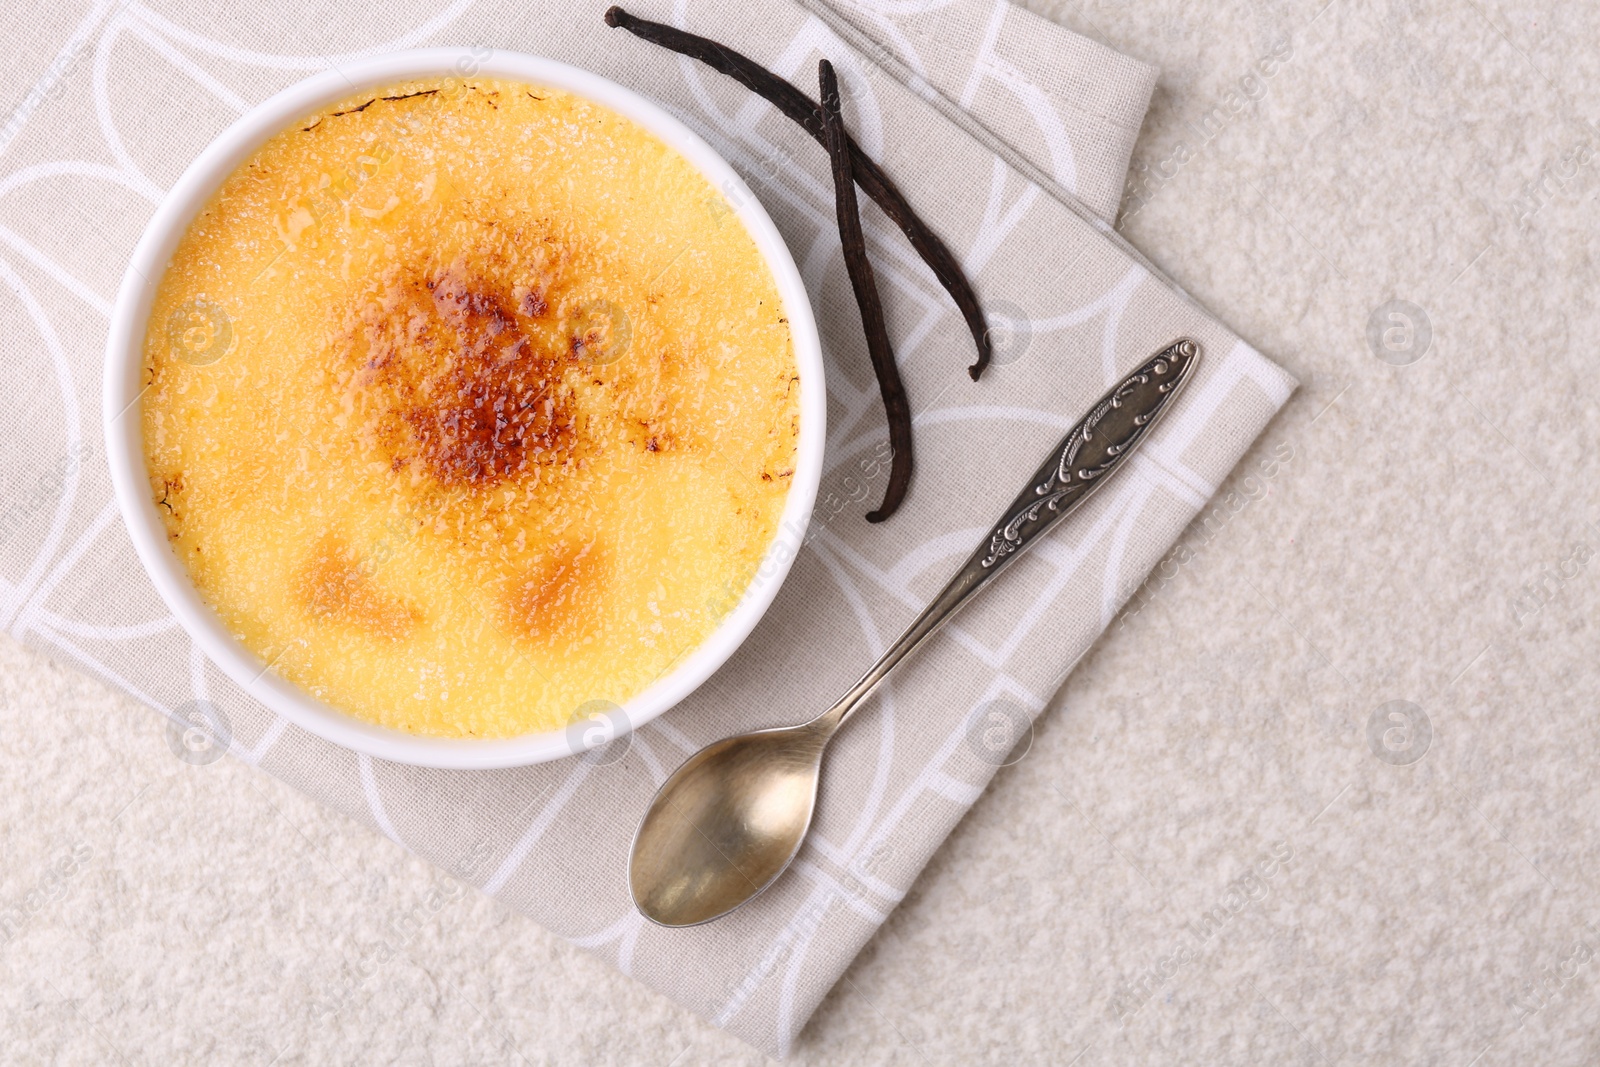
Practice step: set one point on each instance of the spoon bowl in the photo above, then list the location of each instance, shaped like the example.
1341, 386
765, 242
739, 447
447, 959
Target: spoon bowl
726, 823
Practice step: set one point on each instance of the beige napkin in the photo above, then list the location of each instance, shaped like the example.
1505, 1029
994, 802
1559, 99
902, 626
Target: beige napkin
1010, 135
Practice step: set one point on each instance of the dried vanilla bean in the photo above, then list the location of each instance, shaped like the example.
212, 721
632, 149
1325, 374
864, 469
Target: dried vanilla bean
873, 181
895, 404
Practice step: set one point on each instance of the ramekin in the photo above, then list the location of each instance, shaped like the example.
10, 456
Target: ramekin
125, 446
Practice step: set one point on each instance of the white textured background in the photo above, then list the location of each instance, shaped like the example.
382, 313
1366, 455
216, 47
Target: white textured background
1441, 911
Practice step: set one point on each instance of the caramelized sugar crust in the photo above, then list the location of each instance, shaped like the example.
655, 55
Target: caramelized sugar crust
457, 382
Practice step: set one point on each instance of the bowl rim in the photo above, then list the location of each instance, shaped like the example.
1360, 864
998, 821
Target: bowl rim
124, 438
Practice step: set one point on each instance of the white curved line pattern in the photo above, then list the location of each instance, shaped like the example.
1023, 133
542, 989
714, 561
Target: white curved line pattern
962, 793
671, 733
197, 673
902, 8
16, 594
95, 667
885, 711
63, 566
901, 44
1053, 132
625, 932
1063, 160
1117, 294
96, 632
54, 73
198, 74
1117, 549
809, 912
56, 272
985, 54
102, 109
1241, 364
996, 227
647, 755
1001, 685
278, 61
269, 737
1114, 303
536, 829
369, 788
76, 168
806, 869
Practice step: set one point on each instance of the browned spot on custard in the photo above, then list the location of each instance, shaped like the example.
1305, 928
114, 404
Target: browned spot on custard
499, 362
456, 375
337, 586
558, 600
530, 300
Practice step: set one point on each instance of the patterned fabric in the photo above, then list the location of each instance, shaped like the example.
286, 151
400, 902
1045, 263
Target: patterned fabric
1009, 134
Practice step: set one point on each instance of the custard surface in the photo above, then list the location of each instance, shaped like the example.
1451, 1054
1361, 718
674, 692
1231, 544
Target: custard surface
469, 404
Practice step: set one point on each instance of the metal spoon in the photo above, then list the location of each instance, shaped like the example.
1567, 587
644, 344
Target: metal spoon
732, 817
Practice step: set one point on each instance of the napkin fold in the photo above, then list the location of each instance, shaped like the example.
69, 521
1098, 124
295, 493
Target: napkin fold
1009, 134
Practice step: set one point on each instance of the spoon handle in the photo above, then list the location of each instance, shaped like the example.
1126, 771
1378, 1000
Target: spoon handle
1079, 465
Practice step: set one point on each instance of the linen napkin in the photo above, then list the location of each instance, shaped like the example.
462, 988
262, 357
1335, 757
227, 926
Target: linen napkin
1011, 137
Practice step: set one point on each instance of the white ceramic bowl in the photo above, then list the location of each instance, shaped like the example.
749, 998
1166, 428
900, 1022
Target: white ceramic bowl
125, 447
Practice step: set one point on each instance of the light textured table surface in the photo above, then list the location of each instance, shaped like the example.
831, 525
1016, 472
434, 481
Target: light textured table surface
1418, 527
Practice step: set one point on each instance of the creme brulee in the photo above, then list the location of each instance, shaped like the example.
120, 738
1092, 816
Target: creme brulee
469, 404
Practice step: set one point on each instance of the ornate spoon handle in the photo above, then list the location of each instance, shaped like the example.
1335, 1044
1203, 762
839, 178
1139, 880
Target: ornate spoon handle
1080, 464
